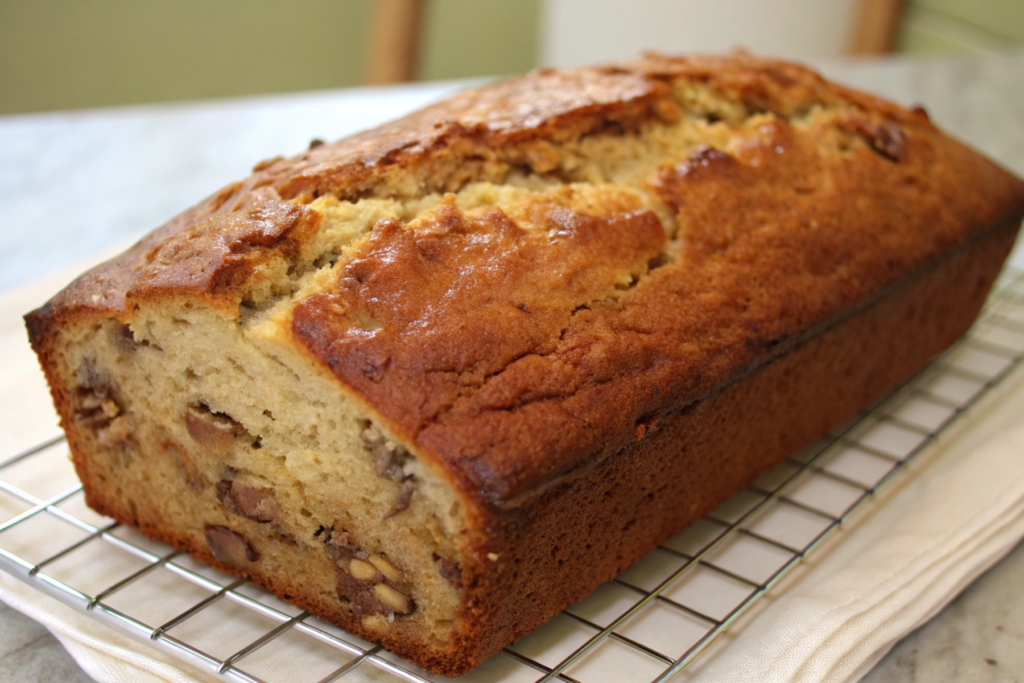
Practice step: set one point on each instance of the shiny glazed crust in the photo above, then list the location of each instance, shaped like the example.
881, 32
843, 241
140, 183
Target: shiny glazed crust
589, 351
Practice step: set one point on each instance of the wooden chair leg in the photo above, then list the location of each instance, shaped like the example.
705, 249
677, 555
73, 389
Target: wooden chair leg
875, 26
394, 30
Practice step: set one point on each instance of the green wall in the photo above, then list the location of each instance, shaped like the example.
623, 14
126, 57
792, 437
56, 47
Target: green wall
961, 26
66, 54
466, 38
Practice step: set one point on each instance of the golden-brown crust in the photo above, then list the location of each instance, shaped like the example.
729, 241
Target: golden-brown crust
422, 318
781, 235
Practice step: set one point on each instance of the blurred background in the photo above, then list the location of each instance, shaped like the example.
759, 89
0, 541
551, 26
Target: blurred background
71, 54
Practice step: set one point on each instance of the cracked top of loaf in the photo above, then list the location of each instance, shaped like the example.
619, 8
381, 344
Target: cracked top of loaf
570, 255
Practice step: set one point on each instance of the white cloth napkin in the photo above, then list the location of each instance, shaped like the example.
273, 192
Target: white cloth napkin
898, 564
103, 653
912, 550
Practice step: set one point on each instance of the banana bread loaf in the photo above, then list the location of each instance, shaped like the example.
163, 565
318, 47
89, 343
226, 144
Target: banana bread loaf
439, 380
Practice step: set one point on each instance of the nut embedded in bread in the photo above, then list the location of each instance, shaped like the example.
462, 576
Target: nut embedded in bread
439, 380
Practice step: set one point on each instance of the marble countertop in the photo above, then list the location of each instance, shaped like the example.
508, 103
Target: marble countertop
75, 183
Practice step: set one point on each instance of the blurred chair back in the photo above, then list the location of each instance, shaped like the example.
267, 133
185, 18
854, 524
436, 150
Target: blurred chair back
575, 32
394, 39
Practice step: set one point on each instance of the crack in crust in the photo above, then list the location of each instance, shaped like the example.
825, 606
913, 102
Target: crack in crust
529, 124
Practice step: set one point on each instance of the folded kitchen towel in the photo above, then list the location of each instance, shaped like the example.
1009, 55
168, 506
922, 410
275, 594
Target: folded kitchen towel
103, 653
897, 566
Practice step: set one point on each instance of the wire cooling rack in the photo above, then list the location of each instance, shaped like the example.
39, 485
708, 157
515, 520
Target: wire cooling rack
647, 624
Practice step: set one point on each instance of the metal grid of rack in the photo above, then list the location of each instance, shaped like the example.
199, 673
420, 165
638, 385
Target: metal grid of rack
653, 620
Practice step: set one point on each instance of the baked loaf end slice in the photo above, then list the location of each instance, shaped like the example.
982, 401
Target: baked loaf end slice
439, 380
